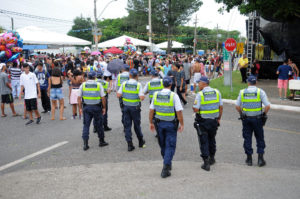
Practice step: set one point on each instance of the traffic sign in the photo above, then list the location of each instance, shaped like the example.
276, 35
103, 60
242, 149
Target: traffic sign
225, 54
230, 44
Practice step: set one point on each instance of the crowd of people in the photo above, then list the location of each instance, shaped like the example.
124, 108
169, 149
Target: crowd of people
90, 82
43, 76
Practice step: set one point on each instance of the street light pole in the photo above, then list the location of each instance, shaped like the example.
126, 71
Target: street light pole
150, 24
195, 37
95, 25
96, 20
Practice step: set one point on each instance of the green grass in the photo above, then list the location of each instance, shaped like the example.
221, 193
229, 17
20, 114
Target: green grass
225, 90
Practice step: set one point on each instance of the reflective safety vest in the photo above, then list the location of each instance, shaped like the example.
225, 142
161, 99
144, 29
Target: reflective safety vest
104, 85
155, 85
121, 79
164, 106
251, 102
91, 68
210, 103
91, 93
130, 94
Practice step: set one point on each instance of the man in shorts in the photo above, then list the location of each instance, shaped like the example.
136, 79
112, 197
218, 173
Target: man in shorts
6, 92
197, 72
283, 73
30, 83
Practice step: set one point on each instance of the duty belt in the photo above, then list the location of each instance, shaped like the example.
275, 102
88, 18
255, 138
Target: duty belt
257, 116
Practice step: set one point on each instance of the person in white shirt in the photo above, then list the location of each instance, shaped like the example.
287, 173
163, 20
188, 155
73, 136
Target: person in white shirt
30, 83
107, 75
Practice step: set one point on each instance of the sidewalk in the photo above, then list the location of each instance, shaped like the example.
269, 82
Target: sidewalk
142, 180
270, 87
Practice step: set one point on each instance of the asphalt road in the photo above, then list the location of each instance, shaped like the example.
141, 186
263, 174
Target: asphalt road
282, 135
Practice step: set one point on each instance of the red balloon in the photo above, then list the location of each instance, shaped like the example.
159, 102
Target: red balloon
2, 47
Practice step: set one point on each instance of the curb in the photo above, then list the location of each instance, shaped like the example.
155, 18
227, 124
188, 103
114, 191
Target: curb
273, 106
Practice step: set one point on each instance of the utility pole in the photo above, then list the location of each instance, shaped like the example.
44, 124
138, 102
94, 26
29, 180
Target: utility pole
150, 25
95, 25
217, 40
195, 36
12, 23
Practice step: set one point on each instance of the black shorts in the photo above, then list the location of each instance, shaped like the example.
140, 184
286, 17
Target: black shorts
7, 99
187, 81
107, 78
31, 104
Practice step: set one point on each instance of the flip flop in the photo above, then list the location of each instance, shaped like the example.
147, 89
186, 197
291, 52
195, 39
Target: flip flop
16, 115
3, 115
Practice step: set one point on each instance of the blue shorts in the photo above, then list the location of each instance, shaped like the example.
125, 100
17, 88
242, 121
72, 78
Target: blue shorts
56, 94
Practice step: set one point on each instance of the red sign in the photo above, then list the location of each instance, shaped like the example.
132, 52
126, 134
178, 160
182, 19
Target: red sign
230, 44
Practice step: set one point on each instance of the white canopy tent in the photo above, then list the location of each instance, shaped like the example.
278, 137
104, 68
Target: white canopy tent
36, 35
175, 44
120, 41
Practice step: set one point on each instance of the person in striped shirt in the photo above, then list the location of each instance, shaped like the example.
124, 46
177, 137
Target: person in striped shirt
15, 73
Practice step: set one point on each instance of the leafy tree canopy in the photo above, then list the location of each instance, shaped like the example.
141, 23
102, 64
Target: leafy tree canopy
81, 27
273, 10
166, 14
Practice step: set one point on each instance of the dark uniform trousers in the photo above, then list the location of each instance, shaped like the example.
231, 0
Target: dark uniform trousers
122, 110
132, 114
250, 125
45, 100
207, 141
105, 115
167, 138
90, 112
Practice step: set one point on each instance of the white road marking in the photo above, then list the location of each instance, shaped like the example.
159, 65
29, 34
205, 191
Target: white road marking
32, 155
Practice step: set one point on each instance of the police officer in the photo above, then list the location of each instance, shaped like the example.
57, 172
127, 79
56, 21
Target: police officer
132, 95
91, 67
94, 103
167, 111
107, 90
208, 107
122, 77
155, 84
249, 105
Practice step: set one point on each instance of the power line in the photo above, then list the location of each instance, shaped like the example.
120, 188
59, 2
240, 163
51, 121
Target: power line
34, 16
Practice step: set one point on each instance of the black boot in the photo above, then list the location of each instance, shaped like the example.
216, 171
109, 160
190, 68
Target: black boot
261, 162
102, 142
142, 143
165, 171
130, 146
249, 160
212, 160
169, 167
106, 128
85, 145
206, 165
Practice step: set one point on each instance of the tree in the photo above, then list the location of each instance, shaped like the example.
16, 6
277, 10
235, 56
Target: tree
273, 10
167, 13
112, 28
82, 28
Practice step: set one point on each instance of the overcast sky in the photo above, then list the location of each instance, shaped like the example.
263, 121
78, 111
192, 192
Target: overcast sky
208, 15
